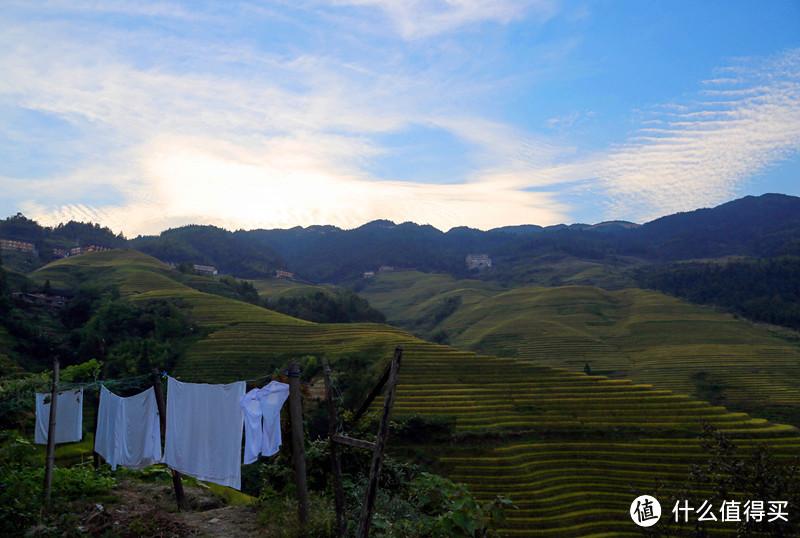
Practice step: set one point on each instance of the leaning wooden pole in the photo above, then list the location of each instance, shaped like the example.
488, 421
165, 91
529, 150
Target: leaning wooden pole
338, 488
177, 483
51, 437
380, 444
298, 447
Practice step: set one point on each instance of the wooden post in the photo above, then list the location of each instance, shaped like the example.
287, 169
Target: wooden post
95, 455
177, 483
376, 389
338, 488
298, 447
383, 430
51, 437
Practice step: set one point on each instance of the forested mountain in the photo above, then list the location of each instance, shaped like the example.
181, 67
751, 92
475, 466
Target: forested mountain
231, 253
764, 226
612, 255
762, 289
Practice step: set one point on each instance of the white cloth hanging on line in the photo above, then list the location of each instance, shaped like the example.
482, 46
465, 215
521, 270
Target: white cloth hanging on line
128, 429
69, 417
204, 431
262, 414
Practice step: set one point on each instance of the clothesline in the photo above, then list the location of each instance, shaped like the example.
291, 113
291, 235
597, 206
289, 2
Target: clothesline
204, 426
23, 399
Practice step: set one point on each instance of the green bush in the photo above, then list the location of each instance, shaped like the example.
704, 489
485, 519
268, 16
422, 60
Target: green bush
442, 507
21, 489
277, 515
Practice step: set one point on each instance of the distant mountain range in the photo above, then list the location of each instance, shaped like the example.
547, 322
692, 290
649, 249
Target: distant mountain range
762, 226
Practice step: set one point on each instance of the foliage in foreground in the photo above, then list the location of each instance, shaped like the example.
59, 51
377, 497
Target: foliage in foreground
21, 490
410, 502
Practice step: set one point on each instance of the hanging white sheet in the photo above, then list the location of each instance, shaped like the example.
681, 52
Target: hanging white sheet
262, 414
204, 431
128, 429
69, 417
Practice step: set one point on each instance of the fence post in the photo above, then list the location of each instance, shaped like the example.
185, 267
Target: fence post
298, 447
177, 483
51, 437
338, 489
380, 444
95, 455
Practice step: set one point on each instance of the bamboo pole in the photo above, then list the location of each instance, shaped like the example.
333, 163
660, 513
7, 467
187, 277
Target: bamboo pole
383, 431
298, 447
177, 483
373, 393
51, 437
338, 488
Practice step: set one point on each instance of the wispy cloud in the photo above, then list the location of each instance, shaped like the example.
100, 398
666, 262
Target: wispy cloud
168, 126
205, 181
699, 153
416, 19
282, 143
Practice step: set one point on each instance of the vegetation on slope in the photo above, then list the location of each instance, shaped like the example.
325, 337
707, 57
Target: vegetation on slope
633, 334
566, 447
763, 289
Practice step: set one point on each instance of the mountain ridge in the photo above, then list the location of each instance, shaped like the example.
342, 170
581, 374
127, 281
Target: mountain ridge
760, 226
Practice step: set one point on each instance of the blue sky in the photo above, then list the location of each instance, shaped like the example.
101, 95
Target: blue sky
148, 115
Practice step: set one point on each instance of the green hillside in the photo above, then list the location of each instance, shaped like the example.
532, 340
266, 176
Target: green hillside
246, 341
276, 288
628, 334
8, 367
565, 446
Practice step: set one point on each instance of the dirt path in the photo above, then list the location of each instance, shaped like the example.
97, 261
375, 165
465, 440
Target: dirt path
148, 509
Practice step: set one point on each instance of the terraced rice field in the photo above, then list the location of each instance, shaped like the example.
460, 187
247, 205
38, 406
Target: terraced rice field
586, 441
628, 334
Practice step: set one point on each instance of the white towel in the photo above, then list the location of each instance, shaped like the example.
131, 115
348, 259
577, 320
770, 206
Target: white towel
128, 430
252, 426
262, 415
271, 399
69, 417
204, 431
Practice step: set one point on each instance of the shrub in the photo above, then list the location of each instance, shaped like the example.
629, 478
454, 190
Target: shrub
21, 490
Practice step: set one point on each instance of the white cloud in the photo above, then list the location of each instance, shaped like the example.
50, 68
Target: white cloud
172, 128
701, 153
199, 180
281, 143
415, 19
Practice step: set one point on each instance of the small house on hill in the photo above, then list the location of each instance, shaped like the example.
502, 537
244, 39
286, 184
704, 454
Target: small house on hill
13, 244
77, 251
479, 261
205, 269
